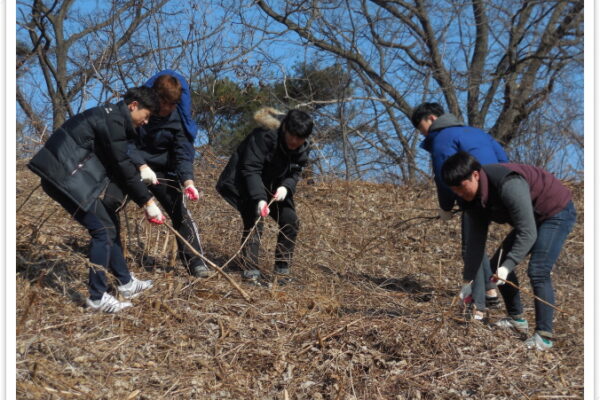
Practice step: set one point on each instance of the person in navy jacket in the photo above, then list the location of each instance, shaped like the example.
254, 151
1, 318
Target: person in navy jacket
164, 153
445, 135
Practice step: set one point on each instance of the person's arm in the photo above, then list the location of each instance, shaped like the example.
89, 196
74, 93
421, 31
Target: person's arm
446, 198
516, 197
183, 152
291, 180
475, 233
115, 140
251, 166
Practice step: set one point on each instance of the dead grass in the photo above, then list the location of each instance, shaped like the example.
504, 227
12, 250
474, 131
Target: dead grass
368, 316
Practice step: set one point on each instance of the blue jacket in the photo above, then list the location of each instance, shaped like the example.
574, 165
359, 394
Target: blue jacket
184, 107
447, 136
166, 144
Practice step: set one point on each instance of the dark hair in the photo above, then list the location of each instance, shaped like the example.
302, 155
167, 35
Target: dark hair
424, 110
298, 123
458, 168
145, 96
168, 88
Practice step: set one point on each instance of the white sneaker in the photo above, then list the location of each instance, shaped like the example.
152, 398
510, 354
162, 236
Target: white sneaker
134, 287
107, 304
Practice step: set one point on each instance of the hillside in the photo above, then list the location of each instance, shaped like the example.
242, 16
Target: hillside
369, 315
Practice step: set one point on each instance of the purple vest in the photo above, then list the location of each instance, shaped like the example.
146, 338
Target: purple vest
548, 195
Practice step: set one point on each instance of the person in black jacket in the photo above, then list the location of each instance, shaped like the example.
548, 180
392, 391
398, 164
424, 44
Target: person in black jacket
164, 153
267, 164
84, 167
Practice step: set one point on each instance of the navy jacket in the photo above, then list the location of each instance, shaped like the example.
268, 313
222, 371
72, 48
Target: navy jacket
88, 151
166, 144
447, 136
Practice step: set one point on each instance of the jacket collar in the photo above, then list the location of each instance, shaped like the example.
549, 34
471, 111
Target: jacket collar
128, 122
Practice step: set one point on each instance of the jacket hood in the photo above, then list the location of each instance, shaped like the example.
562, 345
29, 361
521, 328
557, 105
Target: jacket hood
445, 121
268, 117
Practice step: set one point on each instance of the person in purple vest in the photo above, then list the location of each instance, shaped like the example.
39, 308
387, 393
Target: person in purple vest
540, 210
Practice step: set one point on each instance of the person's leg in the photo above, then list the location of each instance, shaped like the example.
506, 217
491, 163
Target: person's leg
251, 250
285, 215
478, 284
169, 195
102, 232
552, 234
511, 295
113, 201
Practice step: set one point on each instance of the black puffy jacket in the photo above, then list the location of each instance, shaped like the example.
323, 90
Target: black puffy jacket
261, 164
164, 146
89, 150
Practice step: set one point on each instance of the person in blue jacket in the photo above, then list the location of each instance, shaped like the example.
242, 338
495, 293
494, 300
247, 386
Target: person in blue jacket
445, 135
164, 153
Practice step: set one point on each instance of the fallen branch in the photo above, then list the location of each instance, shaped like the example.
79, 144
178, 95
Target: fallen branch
212, 264
530, 294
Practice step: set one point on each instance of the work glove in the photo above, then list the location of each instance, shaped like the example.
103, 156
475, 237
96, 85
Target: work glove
280, 194
502, 273
153, 213
148, 176
263, 208
191, 192
465, 294
445, 215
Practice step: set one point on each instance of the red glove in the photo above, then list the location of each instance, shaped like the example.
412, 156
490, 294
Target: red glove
263, 208
153, 213
192, 193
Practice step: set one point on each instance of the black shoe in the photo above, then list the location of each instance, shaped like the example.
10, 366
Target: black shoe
254, 278
201, 271
257, 281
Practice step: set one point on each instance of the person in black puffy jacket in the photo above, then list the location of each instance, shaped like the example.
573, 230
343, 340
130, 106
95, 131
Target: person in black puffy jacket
84, 166
164, 153
267, 164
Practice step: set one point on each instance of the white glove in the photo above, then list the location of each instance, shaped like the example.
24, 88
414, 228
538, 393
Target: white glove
465, 293
502, 274
445, 215
191, 192
263, 208
148, 176
153, 213
281, 193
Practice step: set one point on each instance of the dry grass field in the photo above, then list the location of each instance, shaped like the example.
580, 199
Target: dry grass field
368, 315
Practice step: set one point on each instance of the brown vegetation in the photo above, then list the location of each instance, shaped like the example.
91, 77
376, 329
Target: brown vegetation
368, 316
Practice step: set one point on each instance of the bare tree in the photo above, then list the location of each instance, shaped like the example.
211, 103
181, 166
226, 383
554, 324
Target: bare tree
500, 61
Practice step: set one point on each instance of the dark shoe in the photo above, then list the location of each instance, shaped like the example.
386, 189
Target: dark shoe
284, 280
282, 271
491, 301
254, 278
201, 271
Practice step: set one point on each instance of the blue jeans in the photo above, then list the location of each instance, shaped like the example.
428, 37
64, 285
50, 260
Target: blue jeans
482, 282
105, 246
551, 235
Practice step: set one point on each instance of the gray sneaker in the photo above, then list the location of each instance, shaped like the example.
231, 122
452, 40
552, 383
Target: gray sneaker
107, 304
134, 287
520, 325
201, 271
538, 342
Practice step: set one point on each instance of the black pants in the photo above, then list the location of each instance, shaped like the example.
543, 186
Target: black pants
170, 196
285, 216
105, 250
